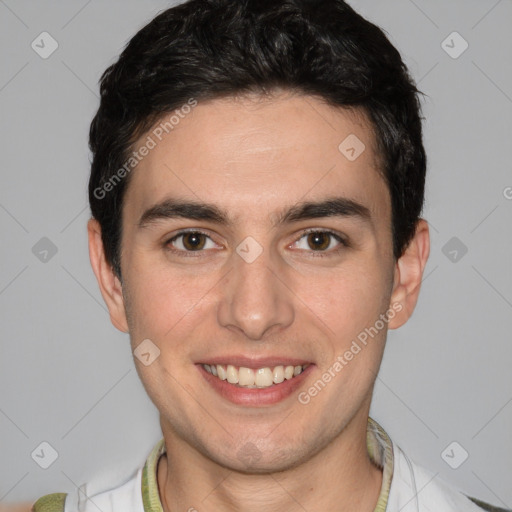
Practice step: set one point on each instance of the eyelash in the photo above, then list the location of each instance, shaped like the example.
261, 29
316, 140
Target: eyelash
315, 254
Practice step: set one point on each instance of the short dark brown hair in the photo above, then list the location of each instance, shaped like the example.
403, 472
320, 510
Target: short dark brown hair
207, 49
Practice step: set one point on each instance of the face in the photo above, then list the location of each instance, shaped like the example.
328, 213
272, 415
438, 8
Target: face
254, 244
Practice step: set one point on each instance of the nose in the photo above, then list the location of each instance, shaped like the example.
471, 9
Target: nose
255, 299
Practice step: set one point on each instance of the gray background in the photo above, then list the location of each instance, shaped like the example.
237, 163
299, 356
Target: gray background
67, 376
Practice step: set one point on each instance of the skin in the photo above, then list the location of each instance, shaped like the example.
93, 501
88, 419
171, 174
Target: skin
16, 507
254, 157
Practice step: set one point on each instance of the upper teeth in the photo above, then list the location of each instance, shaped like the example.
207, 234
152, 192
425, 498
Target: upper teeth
260, 378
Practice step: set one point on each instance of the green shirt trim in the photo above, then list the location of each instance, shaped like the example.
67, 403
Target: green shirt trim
50, 503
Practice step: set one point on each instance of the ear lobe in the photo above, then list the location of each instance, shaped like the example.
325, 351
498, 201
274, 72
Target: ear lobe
409, 274
109, 283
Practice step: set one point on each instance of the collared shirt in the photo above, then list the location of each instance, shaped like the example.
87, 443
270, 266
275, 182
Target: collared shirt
406, 487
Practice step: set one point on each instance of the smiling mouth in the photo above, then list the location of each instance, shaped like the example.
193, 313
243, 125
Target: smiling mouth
243, 377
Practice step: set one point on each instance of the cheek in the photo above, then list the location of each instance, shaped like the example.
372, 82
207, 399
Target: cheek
165, 305
348, 300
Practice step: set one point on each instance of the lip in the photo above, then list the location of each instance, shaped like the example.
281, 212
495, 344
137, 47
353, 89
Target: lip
255, 362
255, 397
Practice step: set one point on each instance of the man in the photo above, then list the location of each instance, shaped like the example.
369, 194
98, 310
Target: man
256, 189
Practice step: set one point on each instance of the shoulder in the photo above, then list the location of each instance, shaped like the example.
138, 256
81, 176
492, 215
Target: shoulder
105, 494
415, 488
112, 490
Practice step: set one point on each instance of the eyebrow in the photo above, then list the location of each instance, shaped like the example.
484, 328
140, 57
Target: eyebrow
332, 207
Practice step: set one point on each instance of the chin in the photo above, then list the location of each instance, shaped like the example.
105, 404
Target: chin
259, 456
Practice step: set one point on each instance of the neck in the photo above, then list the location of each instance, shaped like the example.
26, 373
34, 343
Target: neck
338, 478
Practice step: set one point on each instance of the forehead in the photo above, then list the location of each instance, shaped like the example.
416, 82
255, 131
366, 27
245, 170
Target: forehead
253, 155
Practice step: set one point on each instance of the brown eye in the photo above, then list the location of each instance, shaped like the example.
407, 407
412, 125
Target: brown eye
319, 240
190, 241
193, 241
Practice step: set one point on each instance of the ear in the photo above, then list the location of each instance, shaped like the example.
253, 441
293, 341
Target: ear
109, 283
409, 274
